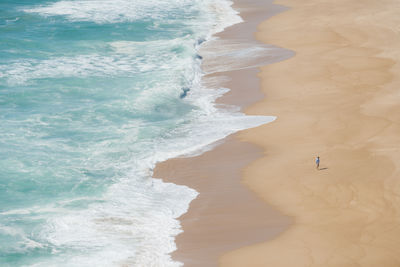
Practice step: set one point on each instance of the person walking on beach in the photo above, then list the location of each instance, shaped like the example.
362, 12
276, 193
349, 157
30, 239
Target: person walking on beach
317, 162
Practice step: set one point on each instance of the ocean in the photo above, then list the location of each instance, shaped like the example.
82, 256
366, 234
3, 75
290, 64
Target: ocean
93, 93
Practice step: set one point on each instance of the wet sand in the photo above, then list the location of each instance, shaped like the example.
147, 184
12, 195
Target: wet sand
226, 215
338, 98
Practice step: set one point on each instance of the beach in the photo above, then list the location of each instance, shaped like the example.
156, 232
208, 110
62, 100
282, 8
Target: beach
185, 132
336, 98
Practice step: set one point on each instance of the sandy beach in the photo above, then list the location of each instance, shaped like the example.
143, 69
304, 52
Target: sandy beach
337, 98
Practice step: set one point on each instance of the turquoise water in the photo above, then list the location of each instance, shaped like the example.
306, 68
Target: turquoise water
92, 94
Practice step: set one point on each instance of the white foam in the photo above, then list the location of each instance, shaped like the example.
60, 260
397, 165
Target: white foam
224, 55
214, 16
10, 230
23, 71
103, 11
24, 243
118, 231
225, 15
20, 72
114, 11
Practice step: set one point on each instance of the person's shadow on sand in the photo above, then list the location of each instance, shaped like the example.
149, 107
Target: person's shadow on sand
321, 169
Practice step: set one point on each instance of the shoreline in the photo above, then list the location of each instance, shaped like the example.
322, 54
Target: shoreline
337, 98
219, 219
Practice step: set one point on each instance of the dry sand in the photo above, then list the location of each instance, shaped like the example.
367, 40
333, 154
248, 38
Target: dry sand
338, 98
